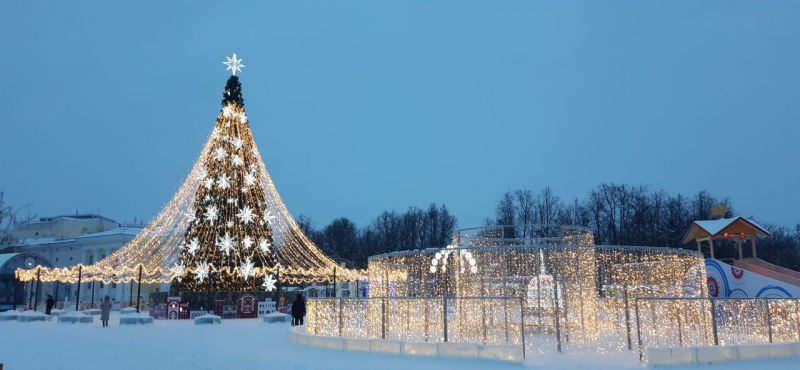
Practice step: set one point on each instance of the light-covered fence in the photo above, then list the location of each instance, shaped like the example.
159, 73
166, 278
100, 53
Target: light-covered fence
685, 322
485, 320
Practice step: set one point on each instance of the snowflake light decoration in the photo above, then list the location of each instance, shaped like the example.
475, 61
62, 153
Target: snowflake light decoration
211, 214
226, 243
220, 153
247, 242
246, 215
237, 160
177, 271
247, 269
193, 246
201, 271
223, 182
264, 245
269, 283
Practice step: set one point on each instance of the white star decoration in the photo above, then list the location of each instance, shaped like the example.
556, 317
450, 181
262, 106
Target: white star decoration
246, 215
201, 271
208, 183
234, 64
226, 244
211, 214
269, 283
264, 245
247, 268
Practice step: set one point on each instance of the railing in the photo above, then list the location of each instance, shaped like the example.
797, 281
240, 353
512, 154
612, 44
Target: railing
486, 320
680, 322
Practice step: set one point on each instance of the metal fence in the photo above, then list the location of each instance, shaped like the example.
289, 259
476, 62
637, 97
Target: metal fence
487, 320
680, 322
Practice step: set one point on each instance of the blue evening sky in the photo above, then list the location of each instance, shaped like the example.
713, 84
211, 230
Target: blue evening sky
363, 106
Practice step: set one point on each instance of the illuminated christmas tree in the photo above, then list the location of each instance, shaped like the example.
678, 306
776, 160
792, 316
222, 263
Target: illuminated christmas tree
228, 244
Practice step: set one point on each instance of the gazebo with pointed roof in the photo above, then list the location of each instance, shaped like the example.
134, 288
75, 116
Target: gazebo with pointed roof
737, 229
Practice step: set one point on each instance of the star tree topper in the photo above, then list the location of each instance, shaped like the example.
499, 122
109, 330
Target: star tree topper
234, 64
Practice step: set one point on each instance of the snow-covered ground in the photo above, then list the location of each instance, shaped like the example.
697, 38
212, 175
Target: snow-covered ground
248, 344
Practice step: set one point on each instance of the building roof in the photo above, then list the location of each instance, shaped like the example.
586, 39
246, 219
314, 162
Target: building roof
124, 231
722, 227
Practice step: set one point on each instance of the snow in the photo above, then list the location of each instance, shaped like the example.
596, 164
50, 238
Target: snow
73, 314
247, 343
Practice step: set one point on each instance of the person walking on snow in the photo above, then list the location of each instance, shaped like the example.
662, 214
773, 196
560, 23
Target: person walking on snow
49, 305
298, 310
105, 310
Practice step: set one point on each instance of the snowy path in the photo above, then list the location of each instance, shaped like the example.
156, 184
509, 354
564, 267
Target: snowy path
244, 344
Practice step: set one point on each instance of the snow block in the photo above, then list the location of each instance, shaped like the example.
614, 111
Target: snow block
75, 317
32, 316
356, 344
127, 310
754, 351
325, 342
136, 319
276, 317
384, 346
671, 356
420, 349
503, 352
56, 312
92, 311
782, 350
9, 315
457, 349
716, 354
207, 319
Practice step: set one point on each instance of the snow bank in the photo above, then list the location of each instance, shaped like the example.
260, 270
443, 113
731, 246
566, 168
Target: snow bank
721, 354
207, 319
127, 310
93, 311
507, 353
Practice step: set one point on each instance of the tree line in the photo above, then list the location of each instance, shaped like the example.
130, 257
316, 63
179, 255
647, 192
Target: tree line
620, 214
617, 214
390, 231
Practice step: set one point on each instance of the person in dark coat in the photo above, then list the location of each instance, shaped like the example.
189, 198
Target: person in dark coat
105, 310
49, 305
298, 310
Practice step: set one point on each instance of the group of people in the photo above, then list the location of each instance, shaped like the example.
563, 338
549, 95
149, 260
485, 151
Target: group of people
105, 308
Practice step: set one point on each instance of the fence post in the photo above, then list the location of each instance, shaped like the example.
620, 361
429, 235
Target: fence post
505, 318
796, 316
558, 313
383, 318
638, 330
680, 327
341, 315
427, 321
521, 324
627, 316
78, 294
714, 320
444, 316
769, 321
